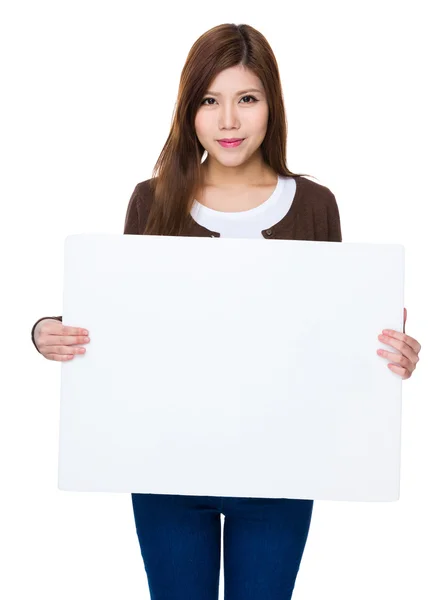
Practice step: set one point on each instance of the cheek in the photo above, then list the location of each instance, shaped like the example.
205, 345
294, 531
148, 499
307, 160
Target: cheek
255, 122
201, 125
260, 119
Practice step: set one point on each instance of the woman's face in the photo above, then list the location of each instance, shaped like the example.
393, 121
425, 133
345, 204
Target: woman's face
231, 108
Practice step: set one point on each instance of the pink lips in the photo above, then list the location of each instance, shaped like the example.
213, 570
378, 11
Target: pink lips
232, 144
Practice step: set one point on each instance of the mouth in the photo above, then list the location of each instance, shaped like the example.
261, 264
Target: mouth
231, 143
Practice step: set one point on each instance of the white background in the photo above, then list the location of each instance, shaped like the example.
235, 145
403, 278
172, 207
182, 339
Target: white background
88, 94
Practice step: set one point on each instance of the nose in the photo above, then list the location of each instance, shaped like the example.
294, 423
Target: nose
228, 117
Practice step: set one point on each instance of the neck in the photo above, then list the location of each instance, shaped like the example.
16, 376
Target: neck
252, 173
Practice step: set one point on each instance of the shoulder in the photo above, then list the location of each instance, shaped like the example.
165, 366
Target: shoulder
138, 206
143, 193
318, 197
319, 211
316, 193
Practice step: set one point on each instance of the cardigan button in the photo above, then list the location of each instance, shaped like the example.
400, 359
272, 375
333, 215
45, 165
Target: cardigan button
268, 231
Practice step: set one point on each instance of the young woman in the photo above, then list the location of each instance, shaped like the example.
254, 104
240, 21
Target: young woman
229, 105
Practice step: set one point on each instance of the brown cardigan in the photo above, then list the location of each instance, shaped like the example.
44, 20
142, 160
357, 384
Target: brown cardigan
313, 216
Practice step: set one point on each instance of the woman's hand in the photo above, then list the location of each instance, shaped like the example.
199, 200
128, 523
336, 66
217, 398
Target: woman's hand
408, 350
59, 342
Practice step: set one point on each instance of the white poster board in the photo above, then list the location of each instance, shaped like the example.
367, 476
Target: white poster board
231, 367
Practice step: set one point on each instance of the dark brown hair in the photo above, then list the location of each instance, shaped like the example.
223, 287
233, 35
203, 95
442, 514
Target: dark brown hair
177, 174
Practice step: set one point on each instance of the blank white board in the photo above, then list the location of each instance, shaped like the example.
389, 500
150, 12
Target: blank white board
231, 367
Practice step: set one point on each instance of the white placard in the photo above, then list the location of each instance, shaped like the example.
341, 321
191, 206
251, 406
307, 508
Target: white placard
231, 367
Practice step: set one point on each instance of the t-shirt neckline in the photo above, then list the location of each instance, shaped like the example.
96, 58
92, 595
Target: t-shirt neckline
242, 213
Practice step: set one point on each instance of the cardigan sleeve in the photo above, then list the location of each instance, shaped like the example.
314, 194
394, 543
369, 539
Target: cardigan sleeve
131, 224
333, 220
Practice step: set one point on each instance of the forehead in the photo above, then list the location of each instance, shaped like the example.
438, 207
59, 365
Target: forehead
235, 80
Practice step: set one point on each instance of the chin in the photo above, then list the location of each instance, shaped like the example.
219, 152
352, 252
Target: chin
231, 162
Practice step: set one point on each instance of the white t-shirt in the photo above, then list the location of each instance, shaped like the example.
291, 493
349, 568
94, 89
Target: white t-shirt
248, 223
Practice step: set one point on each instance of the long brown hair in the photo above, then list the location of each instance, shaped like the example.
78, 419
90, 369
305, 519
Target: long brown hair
177, 174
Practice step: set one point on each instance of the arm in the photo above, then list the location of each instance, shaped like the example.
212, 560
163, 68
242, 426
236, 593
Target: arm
333, 220
131, 226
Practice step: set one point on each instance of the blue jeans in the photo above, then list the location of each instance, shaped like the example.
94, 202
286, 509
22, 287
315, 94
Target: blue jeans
180, 543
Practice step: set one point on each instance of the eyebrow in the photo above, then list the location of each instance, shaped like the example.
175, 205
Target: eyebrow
237, 93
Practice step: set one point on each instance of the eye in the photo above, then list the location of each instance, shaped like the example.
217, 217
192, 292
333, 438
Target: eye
255, 100
205, 100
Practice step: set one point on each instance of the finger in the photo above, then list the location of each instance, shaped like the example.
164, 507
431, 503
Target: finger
403, 337
63, 350
404, 348
55, 327
59, 357
400, 371
399, 359
66, 340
